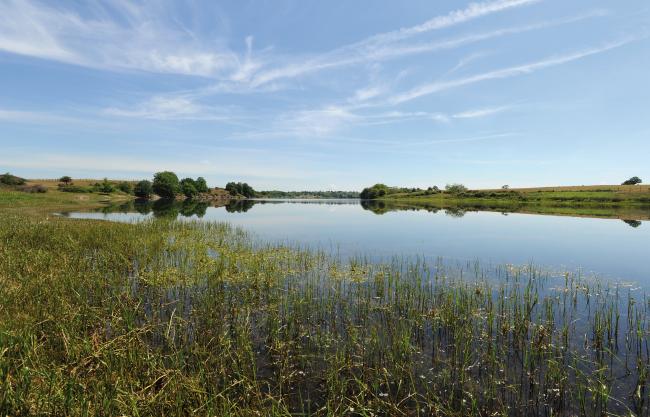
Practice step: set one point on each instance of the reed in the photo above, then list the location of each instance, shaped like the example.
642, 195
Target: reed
177, 317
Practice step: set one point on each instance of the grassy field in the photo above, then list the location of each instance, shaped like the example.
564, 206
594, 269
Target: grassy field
178, 318
607, 211
12, 199
584, 200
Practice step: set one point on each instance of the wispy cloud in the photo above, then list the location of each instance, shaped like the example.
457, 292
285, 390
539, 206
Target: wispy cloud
477, 113
171, 108
383, 46
119, 35
435, 87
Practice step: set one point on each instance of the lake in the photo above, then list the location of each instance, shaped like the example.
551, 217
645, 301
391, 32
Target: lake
609, 248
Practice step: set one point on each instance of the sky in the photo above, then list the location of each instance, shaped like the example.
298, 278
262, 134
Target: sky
309, 94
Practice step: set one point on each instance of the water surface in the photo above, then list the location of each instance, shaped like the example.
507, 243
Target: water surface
609, 248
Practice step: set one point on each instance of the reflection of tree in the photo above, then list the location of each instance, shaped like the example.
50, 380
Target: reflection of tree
239, 206
376, 206
192, 207
455, 212
118, 208
143, 206
165, 208
381, 207
633, 223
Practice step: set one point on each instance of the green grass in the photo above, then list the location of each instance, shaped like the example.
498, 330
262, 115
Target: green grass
598, 201
608, 211
179, 318
11, 199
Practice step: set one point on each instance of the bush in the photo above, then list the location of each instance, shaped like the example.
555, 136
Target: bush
74, 189
143, 189
125, 187
9, 179
201, 185
166, 184
106, 187
633, 181
455, 188
376, 191
188, 187
37, 188
239, 188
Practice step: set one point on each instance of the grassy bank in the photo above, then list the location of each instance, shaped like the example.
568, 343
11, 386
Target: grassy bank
597, 201
12, 199
458, 207
177, 318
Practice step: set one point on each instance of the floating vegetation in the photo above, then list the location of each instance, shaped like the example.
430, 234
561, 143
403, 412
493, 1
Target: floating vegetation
174, 318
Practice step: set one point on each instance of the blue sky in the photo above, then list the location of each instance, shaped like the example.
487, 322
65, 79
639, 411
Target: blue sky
302, 94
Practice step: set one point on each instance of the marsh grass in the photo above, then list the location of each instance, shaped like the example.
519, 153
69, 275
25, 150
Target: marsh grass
174, 318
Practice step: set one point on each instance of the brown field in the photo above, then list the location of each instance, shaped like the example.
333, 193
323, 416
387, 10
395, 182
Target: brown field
52, 184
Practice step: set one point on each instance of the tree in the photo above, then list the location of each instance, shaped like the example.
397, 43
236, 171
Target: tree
633, 181
65, 179
201, 185
125, 187
188, 187
239, 188
505, 187
106, 187
166, 184
376, 191
9, 179
455, 188
143, 189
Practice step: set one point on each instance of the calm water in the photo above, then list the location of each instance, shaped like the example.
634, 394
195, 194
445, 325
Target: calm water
607, 247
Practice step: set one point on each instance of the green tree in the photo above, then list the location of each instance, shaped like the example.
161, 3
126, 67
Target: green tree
143, 189
239, 188
455, 188
376, 191
65, 179
106, 187
633, 181
166, 184
125, 187
9, 179
201, 185
188, 187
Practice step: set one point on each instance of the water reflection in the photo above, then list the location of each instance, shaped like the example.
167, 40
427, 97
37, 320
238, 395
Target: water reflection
633, 216
164, 209
580, 239
633, 223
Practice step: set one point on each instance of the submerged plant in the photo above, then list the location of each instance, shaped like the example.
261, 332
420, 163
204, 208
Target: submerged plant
178, 317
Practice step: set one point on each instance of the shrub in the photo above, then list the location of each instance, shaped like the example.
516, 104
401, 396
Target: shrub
106, 187
239, 188
188, 188
201, 185
376, 191
37, 188
166, 184
143, 189
125, 187
9, 179
633, 181
74, 189
455, 188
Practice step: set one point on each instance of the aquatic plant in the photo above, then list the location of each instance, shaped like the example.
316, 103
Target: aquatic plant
177, 317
